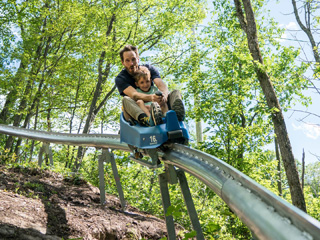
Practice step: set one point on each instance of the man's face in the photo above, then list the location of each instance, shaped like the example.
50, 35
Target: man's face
144, 84
130, 61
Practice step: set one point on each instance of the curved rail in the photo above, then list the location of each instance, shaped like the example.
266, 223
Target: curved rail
88, 140
266, 215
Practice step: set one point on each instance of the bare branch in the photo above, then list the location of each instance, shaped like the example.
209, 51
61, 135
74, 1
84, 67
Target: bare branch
309, 113
306, 29
318, 157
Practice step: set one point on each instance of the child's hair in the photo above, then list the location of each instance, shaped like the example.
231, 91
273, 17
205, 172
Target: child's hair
142, 72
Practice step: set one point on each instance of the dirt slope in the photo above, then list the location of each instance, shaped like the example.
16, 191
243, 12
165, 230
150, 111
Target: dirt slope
38, 204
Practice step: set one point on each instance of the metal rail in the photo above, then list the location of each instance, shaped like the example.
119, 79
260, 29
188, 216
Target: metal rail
266, 215
87, 140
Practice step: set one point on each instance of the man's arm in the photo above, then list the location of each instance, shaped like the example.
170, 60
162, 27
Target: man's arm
132, 93
162, 87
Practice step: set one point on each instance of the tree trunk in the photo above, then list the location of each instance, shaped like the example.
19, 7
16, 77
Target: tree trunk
35, 103
303, 169
36, 65
12, 95
18, 116
279, 166
102, 77
91, 116
248, 24
34, 128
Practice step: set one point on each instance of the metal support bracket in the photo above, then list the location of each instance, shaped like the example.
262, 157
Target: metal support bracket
171, 175
166, 204
189, 203
144, 162
137, 157
107, 156
45, 148
153, 153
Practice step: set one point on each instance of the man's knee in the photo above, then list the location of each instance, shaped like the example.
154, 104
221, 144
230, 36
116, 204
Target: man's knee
131, 107
140, 102
175, 93
173, 96
125, 99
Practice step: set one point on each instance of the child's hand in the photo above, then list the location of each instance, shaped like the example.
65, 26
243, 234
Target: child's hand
163, 97
156, 98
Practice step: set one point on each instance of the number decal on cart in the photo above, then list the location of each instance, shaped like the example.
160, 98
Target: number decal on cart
153, 139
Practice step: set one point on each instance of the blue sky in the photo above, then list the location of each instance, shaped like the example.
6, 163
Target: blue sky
304, 133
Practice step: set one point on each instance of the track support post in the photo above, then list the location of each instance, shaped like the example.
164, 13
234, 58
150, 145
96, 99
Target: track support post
101, 160
107, 156
189, 203
163, 181
171, 176
45, 148
110, 158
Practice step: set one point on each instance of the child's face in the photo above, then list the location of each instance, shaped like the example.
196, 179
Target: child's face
144, 84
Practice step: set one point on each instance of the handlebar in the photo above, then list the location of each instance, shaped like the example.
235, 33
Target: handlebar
158, 93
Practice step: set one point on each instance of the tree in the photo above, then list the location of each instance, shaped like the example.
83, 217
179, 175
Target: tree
248, 24
66, 56
306, 14
46, 30
142, 30
309, 26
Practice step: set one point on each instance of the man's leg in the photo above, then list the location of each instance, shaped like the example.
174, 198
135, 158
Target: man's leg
175, 103
132, 110
164, 108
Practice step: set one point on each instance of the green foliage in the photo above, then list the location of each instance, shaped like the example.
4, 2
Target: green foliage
35, 186
64, 51
190, 235
53, 54
6, 157
312, 189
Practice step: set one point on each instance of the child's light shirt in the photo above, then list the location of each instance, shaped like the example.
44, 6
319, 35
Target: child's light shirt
152, 90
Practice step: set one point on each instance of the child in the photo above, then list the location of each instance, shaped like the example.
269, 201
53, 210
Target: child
143, 83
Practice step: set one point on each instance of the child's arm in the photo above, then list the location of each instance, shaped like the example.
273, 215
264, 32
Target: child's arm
162, 87
132, 93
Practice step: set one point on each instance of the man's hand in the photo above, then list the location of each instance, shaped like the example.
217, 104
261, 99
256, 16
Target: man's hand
163, 88
156, 98
164, 98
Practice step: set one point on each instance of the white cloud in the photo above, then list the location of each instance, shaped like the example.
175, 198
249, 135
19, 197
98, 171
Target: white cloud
292, 26
310, 130
289, 26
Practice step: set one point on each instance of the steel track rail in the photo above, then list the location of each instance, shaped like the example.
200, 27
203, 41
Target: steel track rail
87, 140
266, 215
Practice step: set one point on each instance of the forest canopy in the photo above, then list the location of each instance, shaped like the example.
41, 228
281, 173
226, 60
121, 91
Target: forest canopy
59, 59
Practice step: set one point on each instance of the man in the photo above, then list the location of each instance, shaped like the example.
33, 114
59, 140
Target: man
126, 86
